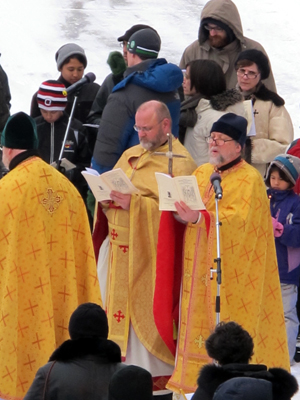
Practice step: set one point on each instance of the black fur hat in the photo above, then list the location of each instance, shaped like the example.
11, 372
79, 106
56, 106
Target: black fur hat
257, 57
87, 321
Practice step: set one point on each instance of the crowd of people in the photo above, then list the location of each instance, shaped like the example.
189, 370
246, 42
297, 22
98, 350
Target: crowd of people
124, 296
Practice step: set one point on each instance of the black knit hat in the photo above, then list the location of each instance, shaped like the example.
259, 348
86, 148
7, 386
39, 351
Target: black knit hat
257, 57
88, 320
130, 383
233, 126
132, 30
20, 132
145, 43
244, 389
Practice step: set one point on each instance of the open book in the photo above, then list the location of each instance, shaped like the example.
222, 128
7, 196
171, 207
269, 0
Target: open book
180, 188
102, 185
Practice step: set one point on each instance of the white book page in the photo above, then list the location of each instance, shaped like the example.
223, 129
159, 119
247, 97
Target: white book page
188, 190
167, 191
117, 180
100, 189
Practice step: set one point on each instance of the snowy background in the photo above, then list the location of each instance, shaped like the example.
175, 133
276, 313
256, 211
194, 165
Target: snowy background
31, 32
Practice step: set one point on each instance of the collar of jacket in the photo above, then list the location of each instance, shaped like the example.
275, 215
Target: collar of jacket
159, 76
279, 195
82, 347
22, 157
225, 99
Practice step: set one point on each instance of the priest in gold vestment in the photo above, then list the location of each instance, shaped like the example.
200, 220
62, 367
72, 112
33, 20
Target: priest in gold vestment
133, 222
250, 290
47, 264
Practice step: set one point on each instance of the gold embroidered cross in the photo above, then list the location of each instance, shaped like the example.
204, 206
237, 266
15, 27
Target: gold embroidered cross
51, 201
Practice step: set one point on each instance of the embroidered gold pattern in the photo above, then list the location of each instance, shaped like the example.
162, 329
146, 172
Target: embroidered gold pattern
51, 201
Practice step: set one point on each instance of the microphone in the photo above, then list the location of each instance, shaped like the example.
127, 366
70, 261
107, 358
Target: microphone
215, 180
88, 78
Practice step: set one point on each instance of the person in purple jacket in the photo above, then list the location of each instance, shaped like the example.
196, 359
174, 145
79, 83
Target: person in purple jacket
281, 177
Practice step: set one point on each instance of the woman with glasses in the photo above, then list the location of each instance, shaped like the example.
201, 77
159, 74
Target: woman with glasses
204, 84
273, 125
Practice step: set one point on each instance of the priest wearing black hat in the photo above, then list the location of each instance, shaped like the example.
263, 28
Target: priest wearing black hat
46, 269
248, 259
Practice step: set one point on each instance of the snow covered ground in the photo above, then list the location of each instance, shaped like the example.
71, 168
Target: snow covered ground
31, 32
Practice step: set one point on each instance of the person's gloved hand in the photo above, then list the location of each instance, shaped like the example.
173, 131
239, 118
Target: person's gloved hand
277, 227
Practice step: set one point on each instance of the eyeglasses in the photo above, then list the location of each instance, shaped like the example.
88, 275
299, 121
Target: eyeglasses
219, 142
122, 44
145, 128
250, 74
213, 28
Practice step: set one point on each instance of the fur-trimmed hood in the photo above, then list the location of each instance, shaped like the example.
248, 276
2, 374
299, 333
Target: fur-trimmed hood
211, 376
226, 99
79, 348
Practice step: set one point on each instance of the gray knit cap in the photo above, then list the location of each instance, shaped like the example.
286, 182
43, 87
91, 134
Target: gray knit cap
68, 50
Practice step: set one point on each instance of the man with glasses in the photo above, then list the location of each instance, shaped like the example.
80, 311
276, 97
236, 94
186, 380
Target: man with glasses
118, 64
250, 288
146, 78
133, 224
221, 39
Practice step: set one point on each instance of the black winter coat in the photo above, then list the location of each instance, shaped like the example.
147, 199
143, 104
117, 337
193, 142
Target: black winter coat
82, 370
76, 149
211, 376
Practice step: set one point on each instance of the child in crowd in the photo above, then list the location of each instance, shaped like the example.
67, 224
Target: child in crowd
281, 177
51, 128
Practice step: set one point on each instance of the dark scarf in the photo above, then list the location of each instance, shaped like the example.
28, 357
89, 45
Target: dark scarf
188, 115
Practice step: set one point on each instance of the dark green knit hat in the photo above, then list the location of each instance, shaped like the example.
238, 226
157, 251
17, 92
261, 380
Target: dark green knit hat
116, 62
20, 132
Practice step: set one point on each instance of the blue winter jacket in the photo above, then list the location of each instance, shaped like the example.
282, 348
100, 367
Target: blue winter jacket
285, 207
149, 80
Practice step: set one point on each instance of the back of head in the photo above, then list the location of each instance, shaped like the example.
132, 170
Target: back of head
50, 96
288, 164
233, 126
230, 343
207, 77
88, 321
130, 383
248, 57
244, 389
132, 30
70, 50
145, 43
20, 132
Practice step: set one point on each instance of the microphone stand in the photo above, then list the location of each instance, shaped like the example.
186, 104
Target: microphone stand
218, 262
67, 130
